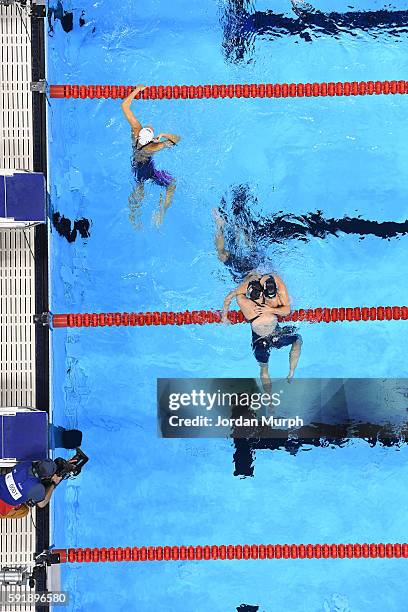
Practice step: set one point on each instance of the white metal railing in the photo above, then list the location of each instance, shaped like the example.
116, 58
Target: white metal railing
16, 146
17, 305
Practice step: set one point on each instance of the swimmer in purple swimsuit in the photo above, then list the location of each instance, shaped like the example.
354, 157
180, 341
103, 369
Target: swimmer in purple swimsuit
145, 145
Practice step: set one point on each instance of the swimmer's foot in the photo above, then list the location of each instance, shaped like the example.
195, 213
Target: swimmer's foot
158, 217
135, 218
266, 380
135, 208
159, 214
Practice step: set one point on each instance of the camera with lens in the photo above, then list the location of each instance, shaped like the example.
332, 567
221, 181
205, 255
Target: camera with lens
73, 467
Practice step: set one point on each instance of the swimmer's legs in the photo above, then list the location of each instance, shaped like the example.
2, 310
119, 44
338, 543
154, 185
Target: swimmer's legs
247, 237
219, 237
135, 205
265, 378
163, 206
294, 355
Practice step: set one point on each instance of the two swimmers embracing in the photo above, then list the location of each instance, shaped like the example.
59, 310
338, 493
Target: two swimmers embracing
262, 299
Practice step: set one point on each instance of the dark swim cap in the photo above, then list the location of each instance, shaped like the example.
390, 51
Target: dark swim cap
270, 288
254, 290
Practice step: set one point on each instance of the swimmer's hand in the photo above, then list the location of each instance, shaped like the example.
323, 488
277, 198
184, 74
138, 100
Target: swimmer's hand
167, 142
159, 137
259, 310
225, 320
137, 90
129, 99
171, 139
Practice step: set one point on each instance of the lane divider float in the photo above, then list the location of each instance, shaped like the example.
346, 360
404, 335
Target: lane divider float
230, 552
203, 317
254, 90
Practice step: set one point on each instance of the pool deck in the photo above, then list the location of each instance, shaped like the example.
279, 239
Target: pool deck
23, 255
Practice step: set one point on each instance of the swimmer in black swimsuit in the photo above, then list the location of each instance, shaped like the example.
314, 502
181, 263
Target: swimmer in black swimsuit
235, 244
145, 145
261, 300
241, 257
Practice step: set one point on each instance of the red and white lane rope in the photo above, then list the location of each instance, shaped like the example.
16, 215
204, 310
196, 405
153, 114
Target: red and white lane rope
202, 317
229, 552
253, 90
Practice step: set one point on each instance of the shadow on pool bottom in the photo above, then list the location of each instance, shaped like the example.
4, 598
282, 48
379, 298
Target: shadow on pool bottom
245, 450
70, 230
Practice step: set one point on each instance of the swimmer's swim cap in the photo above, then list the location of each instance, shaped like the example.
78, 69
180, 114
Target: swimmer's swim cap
270, 288
254, 290
145, 136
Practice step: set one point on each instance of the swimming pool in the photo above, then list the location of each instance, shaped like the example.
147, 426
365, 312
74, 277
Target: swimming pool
345, 157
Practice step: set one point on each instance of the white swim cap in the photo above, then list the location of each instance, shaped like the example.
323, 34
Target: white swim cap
145, 136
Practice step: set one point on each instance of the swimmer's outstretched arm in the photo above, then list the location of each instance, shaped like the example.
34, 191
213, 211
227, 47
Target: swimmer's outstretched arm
171, 138
135, 123
219, 237
158, 144
227, 303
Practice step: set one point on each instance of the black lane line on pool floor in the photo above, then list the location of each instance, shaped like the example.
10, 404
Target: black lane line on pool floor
245, 450
280, 226
258, 232
64, 227
247, 608
241, 27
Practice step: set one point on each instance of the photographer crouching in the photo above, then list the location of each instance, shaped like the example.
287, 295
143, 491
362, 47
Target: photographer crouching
30, 484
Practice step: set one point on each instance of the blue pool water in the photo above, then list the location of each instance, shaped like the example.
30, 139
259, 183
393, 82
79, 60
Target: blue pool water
345, 157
